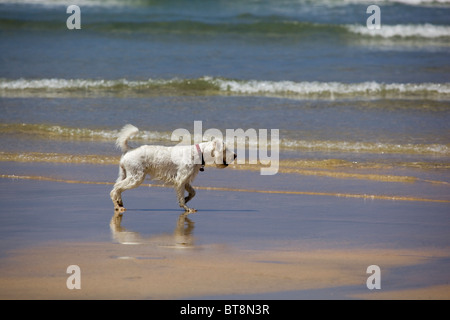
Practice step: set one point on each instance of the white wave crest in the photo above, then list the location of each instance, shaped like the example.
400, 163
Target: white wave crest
80, 3
366, 147
338, 88
221, 86
427, 30
24, 84
422, 2
61, 132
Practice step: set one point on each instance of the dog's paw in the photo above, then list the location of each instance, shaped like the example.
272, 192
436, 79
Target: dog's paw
119, 209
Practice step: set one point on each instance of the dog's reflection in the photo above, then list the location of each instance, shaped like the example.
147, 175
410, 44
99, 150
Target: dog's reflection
181, 238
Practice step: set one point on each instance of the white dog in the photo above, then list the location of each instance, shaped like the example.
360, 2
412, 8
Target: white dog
178, 165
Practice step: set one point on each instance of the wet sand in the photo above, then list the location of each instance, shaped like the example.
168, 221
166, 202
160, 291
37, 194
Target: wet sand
240, 244
111, 271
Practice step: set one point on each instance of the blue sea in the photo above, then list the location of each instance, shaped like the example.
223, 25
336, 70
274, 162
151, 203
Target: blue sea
334, 88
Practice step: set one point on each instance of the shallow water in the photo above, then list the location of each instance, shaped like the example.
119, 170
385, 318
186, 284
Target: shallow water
39, 211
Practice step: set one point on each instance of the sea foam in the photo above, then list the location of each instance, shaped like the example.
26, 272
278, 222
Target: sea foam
403, 31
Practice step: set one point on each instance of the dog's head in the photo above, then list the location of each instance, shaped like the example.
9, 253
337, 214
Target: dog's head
217, 153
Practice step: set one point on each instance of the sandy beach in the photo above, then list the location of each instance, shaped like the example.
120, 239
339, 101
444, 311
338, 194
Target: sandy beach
253, 244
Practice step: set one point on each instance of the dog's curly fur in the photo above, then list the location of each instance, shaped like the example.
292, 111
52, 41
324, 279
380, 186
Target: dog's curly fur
178, 165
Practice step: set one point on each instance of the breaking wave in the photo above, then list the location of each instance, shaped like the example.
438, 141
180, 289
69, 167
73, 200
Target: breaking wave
220, 86
330, 89
427, 30
369, 147
241, 24
68, 133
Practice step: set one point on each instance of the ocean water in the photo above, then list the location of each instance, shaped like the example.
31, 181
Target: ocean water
311, 69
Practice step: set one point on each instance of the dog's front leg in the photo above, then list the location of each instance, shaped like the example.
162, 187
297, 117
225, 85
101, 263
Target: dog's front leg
191, 192
181, 200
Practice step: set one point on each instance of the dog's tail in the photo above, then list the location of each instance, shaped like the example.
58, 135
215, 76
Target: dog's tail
127, 132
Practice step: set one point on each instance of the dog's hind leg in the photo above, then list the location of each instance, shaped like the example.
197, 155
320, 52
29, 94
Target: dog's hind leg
122, 173
116, 196
130, 182
191, 192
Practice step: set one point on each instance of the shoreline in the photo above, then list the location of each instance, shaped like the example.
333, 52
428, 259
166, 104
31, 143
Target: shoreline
327, 194
332, 177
